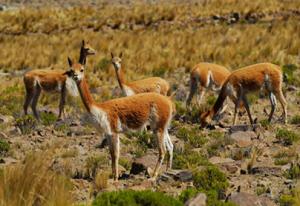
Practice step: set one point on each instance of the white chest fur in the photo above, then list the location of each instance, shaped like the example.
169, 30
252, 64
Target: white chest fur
128, 91
72, 87
100, 120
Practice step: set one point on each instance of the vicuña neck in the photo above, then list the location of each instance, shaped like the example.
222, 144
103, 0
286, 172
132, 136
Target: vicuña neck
82, 56
121, 78
220, 101
85, 94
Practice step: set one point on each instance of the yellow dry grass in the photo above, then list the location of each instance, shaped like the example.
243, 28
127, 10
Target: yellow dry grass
33, 183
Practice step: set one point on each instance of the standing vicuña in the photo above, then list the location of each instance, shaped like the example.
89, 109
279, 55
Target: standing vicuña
152, 84
50, 81
206, 76
117, 115
263, 76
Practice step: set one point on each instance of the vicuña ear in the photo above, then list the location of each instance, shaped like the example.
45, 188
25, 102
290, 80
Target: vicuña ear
121, 54
70, 62
83, 43
112, 55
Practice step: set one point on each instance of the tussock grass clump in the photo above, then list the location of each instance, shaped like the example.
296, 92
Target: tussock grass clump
93, 163
292, 199
192, 136
130, 197
101, 181
285, 156
189, 159
4, 147
34, 183
11, 99
48, 118
27, 124
295, 119
286, 136
294, 171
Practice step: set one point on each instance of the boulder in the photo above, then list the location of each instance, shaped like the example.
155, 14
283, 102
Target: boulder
141, 164
198, 200
246, 199
243, 139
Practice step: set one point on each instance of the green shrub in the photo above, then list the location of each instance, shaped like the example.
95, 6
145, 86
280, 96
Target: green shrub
125, 163
287, 200
191, 136
159, 72
287, 137
48, 118
104, 64
4, 147
210, 100
26, 124
188, 194
189, 159
265, 123
213, 199
135, 198
219, 141
289, 76
295, 119
11, 99
293, 172
210, 178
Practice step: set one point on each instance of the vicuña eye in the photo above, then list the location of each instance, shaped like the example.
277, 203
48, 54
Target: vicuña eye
81, 70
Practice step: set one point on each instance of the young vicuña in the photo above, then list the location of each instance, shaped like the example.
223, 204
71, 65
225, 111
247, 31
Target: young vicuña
116, 116
51, 81
206, 76
253, 78
152, 84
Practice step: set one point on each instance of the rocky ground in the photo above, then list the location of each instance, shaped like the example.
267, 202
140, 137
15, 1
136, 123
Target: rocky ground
257, 163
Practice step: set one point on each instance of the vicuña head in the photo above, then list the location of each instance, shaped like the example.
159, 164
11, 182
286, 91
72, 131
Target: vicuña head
116, 61
76, 71
85, 50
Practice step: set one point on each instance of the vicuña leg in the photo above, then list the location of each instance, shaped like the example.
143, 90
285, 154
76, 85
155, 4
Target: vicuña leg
169, 146
28, 99
37, 92
161, 151
193, 89
273, 105
247, 108
283, 105
62, 101
114, 148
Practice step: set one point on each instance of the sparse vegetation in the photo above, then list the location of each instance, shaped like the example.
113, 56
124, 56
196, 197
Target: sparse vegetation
295, 119
26, 124
285, 156
287, 137
93, 163
4, 147
192, 136
130, 197
101, 181
48, 118
164, 40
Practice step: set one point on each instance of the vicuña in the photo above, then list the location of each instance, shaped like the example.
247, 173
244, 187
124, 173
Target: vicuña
152, 84
263, 76
116, 116
48, 80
